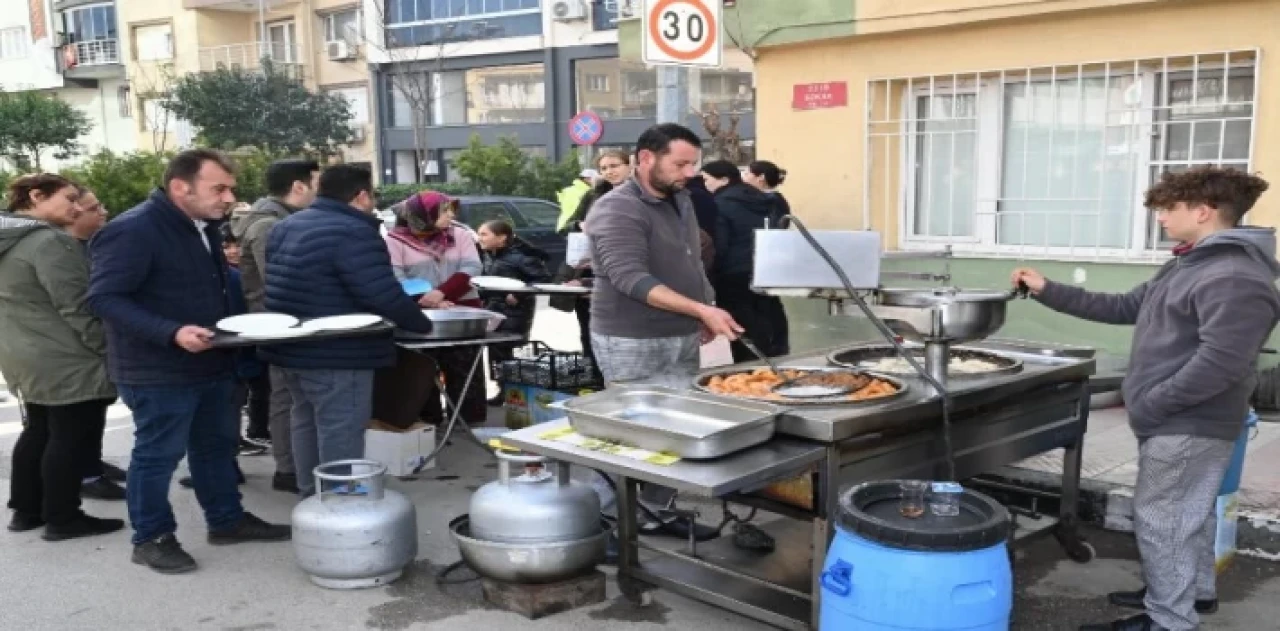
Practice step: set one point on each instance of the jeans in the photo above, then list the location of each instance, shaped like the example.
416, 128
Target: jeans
281, 406
259, 404
195, 420
331, 410
49, 457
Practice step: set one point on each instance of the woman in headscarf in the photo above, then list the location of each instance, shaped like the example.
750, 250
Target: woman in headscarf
426, 244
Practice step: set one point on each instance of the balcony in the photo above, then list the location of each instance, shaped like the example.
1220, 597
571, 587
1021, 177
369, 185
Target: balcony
94, 59
245, 6
251, 56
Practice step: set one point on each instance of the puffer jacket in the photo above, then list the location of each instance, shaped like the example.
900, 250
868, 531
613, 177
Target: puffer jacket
251, 231
741, 210
523, 262
52, 348
330, 260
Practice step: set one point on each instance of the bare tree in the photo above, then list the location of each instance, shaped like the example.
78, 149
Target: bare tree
152, 86
726, 142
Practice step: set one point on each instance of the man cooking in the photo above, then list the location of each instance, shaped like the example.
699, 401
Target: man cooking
1201, 321
651, 309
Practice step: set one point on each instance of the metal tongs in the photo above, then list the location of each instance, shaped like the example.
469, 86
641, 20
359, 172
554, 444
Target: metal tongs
794, 388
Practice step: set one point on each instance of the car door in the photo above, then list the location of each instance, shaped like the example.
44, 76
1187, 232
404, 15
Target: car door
539, 229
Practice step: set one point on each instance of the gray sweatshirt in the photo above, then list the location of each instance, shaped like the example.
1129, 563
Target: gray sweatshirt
638, 242
1200, 323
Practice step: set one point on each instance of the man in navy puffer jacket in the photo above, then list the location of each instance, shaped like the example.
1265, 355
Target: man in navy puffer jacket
330, 260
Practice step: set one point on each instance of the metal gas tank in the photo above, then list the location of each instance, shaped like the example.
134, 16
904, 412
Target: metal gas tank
534, 507
357, 535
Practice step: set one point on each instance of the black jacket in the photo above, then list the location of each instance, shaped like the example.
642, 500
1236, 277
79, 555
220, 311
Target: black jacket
330, 260
523, 262
741, 210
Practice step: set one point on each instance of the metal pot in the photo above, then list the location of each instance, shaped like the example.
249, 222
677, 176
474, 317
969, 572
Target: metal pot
546, 562
363, 537
535, 507
449, 324
945, 313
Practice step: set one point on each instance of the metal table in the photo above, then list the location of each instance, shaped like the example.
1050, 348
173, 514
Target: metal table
996, 421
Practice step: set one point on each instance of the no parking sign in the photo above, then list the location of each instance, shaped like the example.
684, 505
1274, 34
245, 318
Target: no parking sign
585, 128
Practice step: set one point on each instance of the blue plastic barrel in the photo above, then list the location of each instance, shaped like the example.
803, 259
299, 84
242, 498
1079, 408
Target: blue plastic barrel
1226, 509
885, 572
1231, 481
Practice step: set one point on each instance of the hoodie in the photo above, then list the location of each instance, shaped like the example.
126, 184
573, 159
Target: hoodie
251, 231
1200, 323
741, 210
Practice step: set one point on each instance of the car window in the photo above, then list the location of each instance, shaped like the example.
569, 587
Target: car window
476, 213
538, 214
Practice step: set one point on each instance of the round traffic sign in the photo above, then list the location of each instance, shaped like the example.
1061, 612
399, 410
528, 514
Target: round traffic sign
585, 128
684, 30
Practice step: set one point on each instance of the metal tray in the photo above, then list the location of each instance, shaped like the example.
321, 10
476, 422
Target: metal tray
689, 424
855, 357
701, 385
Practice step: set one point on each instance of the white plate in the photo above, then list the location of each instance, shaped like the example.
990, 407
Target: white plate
278, 334
562, 289
342, 322
497, 283
256, 322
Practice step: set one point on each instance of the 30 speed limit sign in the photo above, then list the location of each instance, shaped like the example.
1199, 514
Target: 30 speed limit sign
682, 32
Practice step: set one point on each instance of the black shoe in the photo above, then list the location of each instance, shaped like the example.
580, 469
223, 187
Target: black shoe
164, 554
1140, 622
250, 448
1135, 600
113, 473
185, 481
82, 526
250, 528
102, 489
286, 482
23, 522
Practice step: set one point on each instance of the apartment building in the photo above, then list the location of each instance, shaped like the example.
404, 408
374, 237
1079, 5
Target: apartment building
319, 41
447, 69
70, 48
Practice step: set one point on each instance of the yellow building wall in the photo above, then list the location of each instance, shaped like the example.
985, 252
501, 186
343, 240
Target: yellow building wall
823, 150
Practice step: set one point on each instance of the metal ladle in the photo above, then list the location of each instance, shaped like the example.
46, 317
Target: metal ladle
793, 388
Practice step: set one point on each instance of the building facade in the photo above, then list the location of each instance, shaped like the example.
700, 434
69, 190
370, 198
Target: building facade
1012, 131
319, 41
445, 71
70, 48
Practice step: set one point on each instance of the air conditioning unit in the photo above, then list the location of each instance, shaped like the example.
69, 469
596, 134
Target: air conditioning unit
357, 133
340, 50
568, 10
623, 9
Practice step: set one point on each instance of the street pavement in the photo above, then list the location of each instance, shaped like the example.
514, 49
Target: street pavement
89, 584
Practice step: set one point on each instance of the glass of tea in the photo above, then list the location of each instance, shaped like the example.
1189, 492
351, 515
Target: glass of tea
912, 494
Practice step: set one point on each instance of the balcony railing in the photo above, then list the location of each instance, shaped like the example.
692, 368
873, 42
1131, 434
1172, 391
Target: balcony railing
98, 52
251, 56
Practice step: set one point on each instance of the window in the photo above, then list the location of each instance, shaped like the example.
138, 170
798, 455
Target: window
153, 42
13, 43
423, 22
343, 26
406, 166
282, 40
1052, 162
124, 99
89, 23
492, 95
598, 82
476, 213
538, 214
358, 100
156, 118
618, 88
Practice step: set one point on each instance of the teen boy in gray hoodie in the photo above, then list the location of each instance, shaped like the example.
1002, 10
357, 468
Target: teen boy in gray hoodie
1200, 323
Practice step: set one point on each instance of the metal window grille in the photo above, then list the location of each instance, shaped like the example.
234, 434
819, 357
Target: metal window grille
1051, 162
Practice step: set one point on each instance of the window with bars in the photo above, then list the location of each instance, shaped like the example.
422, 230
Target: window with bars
1052, 162
13, 42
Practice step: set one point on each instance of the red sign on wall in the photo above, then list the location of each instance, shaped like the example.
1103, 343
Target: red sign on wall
812, 96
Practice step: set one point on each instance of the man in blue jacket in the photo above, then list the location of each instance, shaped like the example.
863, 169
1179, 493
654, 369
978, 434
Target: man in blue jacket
330, 260
159, 283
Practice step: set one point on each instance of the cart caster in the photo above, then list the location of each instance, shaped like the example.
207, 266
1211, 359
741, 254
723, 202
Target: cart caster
1082, 552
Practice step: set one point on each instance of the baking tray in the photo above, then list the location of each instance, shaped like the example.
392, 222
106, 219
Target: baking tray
700, 384
691, 425
856, 358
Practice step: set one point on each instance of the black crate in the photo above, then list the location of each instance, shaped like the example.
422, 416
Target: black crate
537, 364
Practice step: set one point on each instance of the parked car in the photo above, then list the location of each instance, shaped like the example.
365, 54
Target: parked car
534, 220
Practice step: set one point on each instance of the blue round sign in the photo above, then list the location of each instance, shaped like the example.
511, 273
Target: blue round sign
585, 128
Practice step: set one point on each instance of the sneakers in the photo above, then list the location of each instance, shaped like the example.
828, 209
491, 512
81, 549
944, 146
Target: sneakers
251, 448
285, 482
82, 526
185, 481
113, 473
250, 528
102, 489
23, 522
164, 554
1136, 600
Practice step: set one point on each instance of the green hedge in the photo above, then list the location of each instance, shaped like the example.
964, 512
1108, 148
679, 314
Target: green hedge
392, 194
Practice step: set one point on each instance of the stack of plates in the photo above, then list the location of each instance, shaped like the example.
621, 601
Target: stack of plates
263, 326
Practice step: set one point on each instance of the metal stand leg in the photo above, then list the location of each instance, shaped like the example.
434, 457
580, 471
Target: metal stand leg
1067, 532
628, 541
455, 417
828, 498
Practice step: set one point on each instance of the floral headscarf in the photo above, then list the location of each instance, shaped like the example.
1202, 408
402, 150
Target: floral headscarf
420, 214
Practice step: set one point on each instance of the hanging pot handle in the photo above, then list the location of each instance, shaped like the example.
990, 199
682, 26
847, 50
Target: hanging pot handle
370, 473
505, 459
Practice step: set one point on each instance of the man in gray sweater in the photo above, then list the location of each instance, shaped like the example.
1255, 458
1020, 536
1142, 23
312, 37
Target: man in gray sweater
1200, 323
651, 308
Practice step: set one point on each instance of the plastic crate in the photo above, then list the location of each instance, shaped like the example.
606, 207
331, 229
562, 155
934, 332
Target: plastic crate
539, 365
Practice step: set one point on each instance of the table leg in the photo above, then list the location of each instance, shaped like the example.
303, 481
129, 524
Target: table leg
1067, 530
827, 507
628, 531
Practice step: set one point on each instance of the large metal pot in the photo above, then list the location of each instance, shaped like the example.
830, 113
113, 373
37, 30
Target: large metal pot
545, 562
358, 535
535, 507
944, 313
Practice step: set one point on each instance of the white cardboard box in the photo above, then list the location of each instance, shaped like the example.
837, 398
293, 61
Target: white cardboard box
402, 452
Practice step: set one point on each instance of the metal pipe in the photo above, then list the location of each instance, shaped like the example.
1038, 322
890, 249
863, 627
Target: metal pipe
937, 355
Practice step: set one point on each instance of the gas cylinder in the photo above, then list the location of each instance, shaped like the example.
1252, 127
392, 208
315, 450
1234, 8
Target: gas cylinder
354, 532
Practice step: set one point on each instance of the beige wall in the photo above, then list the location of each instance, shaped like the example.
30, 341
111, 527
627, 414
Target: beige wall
823, 149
